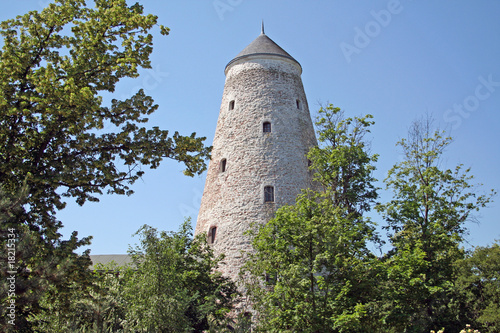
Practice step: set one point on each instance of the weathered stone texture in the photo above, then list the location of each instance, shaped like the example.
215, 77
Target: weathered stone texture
264, 88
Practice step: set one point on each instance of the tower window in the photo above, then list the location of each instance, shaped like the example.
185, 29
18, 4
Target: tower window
270, 279
268, 194
223, 165
298, 103
211, 235
231, 105
266, 127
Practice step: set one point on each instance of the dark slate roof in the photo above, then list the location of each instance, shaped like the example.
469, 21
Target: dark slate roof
118, 259
262, 45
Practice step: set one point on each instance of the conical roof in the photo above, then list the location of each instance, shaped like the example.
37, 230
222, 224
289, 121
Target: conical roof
262, 45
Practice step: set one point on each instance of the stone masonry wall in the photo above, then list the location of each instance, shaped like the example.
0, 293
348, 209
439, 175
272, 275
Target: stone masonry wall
263, 90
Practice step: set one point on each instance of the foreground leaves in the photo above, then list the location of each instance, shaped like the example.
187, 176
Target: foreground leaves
59, 139
175, 287
426, 223
171, 286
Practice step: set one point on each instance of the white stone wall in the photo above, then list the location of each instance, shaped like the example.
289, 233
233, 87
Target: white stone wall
265, 88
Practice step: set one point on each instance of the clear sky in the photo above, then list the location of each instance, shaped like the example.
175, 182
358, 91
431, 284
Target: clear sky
396, 60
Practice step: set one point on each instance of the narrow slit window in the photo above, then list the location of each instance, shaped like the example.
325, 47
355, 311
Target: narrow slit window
223, 163
266, 127
211, 235
231, 105
298, 103
270, 279
268, 194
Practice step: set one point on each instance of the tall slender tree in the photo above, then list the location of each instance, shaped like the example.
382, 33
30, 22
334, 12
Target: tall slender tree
312, 270
426, 222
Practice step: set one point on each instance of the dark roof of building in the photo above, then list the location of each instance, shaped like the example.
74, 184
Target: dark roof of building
118, 259
262, 45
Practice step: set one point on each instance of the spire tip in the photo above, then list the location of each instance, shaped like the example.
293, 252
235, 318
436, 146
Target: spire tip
262, 29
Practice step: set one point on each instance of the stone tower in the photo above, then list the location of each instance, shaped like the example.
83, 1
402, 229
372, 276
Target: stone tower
259, 151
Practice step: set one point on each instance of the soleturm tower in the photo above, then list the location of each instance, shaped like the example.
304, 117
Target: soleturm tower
259, 162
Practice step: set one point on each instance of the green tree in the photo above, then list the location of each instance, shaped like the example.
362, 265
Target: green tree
54, 265
40, 266
98, 307
55, 66
12, 203
175, 286
478, 283
426, 222
312, 270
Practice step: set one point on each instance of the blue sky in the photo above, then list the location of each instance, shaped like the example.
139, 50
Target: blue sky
396, 60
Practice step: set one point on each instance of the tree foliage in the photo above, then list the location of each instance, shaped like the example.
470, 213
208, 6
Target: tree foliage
478, 283
35, 263
313, 271
96, 307
41, 268
426, 222
314, 255
171, 286
59, 137
54, 65
342, 163
175, 286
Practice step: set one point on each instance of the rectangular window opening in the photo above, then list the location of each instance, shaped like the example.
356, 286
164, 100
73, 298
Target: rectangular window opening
266, 127
211, 235
268, 194
223, 165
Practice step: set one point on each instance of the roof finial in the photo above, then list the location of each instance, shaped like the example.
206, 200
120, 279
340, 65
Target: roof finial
262, 29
